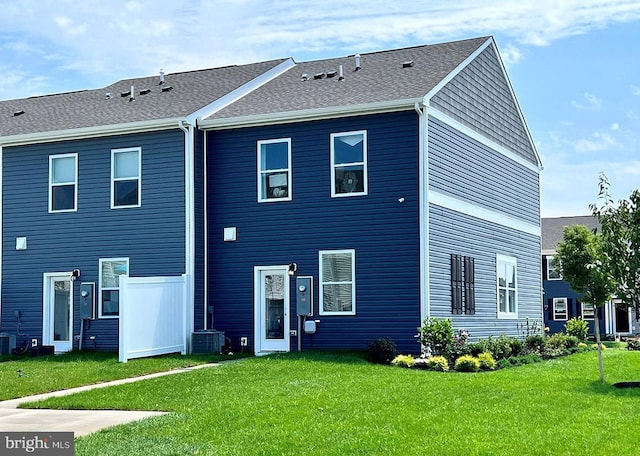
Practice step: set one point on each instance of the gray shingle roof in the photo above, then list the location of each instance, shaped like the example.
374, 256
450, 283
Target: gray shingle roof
381, 78
552, 229
191, 91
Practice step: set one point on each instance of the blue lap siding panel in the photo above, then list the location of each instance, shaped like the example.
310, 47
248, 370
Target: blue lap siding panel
382, 230
151, 236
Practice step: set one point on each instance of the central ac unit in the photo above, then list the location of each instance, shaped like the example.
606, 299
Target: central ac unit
209, 341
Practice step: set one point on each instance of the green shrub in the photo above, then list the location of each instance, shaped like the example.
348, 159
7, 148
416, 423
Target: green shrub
559, 345
577, 327
403, 361
435, 336
438, 363
500, 348
633, 344
467, 363
486, 361
382, 350
534, 344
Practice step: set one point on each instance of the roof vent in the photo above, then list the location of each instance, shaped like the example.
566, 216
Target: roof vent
133, 93
167, 89
108, 96
340, 73
358, 67
145, 91
17, 113
319, 75
161, 77
125, 94
407, 64
331, 74
305, 77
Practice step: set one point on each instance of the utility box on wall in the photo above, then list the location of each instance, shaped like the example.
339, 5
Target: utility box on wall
209, 341
304, 296
88, 300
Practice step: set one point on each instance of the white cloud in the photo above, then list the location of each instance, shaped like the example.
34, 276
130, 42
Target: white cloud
635, 90
592, 102
511, 54
599, 142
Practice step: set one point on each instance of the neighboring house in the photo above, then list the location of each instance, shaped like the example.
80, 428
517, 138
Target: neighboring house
561, 302
392, 186
404, 183
97, 184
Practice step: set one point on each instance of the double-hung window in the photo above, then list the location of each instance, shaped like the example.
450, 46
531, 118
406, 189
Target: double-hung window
63, 182
560, 309
588, 311
126, 172
337, 282
110, 271
552, 271
274, 170
349, 164
506, 269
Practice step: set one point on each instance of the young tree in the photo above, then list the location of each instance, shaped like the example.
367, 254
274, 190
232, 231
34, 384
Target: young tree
579, 258
620, 227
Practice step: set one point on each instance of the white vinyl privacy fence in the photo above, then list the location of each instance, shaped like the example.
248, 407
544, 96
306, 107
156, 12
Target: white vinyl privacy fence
153, 314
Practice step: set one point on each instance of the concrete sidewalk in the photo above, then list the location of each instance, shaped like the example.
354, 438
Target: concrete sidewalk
80, 422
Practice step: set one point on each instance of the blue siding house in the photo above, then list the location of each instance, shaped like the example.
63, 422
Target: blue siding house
102, 183
394, 185
561, 302
320, 204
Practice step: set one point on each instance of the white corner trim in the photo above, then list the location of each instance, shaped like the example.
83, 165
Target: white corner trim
489, 215
483, 139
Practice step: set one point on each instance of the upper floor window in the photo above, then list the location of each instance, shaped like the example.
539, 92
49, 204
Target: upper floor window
63, 182
349, 163
337, 282
552, 272
463, 299
506, 268
274, 170
110, 271
560, 309
126, 169
588, 311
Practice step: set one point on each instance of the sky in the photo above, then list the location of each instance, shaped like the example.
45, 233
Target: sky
574, 64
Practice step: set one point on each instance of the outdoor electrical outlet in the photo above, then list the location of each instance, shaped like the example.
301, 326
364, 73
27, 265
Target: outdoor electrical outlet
243, 342
293, 332
76, 337
34, 342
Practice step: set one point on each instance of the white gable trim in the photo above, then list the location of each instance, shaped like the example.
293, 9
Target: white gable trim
483, 213
241, 91
483, 139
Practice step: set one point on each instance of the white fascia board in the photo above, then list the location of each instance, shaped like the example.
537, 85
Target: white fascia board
483, 140
483, 213
330, 112
548, 252
240, 92
91, 132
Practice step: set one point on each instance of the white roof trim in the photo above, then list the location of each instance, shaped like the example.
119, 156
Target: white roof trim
310, 114
91, 132
241, 91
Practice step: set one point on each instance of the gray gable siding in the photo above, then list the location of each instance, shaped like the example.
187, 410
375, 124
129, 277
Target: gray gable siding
151, 236
464, 168
479, 97
452, 232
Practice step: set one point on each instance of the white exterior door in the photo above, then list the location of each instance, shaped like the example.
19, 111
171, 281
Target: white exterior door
271, 290
58, 312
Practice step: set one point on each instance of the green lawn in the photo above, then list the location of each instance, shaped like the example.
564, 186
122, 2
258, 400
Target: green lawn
338, 404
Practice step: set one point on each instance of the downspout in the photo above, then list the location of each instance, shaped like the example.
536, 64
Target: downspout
423, 210
189, 201
1, 225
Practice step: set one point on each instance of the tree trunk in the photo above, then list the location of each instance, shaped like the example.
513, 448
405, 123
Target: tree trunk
596, 323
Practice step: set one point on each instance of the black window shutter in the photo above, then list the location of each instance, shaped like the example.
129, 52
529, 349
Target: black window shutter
470, 286
456, 284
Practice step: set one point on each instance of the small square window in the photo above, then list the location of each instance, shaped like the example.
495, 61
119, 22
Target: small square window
349, 164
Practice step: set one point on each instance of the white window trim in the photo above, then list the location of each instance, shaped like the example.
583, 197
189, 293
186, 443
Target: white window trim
566, 306
51, 184
595, 309
549, 267
113, 179
321, 310
365, 173
287, 170
514, 262
100, 261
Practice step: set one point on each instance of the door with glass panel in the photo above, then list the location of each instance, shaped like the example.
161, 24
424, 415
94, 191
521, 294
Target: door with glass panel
271, 309
58, 313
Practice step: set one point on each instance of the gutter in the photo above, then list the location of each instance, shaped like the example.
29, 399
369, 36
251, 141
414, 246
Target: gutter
423, 209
